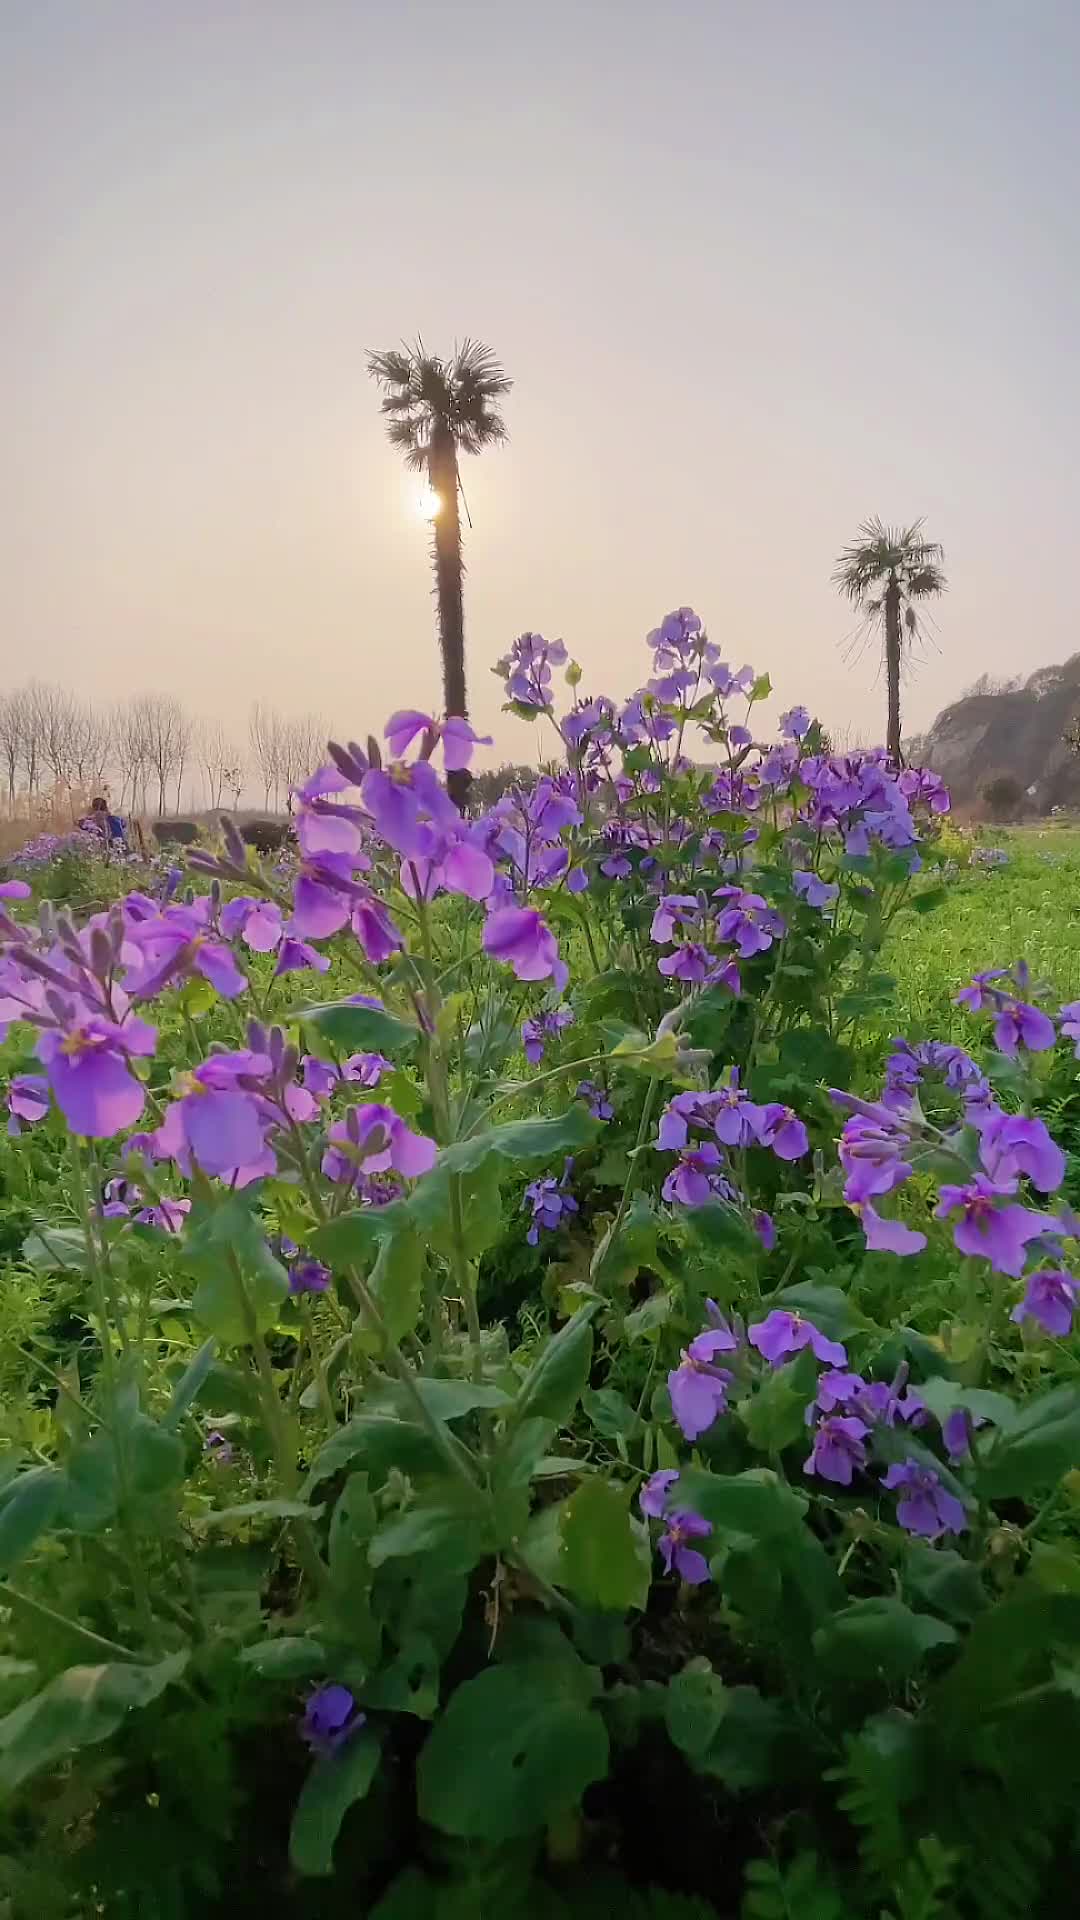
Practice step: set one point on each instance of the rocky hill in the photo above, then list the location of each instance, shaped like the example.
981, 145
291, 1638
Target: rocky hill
1014, 728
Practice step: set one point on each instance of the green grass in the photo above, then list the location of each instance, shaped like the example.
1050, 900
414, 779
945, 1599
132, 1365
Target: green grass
1028, 910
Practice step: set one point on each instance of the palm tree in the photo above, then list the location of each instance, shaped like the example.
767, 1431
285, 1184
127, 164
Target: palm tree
884, 574
436, 409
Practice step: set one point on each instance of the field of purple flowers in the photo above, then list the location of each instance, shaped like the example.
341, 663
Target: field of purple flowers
524, 1392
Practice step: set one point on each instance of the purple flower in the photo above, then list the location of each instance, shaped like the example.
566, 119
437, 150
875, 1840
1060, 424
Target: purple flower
736, 1121
167, 1215
1018, 1025
1049, 1298
375, 930
550, 1200
697, 1178
28, 1100
698, 1388
215, 1122
536, 1032
410, 808
88, 1071
692, 963
765, 1228
518, 937
596, 1099
374, 1139
888, 1236
690, 1565
838, 1448
835, 1389
330, 1717
783, 1131
781, 1334
883, 1401
872, 1149
527, 669
675, 910
795, 723
926, 1508
323, 895
296, 955
14, 890
957, 1430
1010, 1144
308, 1276
1070, 1024
258, 922
991, 1232
981, 993
654, 1493
748, 923
178, 943
815, 891
219, 1447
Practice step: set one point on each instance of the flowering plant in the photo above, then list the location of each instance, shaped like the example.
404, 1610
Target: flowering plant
302, 1465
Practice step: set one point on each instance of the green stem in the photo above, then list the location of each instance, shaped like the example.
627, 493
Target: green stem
37, 1610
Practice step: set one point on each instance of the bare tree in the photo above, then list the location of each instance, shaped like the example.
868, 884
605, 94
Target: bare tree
12, 735
222, 765
132, 734
167, 732
267, 734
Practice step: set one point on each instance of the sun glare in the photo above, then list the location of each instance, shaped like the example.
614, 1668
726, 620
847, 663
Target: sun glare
427, 502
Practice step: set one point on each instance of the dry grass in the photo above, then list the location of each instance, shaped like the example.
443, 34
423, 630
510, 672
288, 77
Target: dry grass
57, 811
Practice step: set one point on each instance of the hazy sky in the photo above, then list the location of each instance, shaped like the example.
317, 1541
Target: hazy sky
758, 270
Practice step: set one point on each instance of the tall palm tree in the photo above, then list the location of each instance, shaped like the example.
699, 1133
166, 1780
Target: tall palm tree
885, 573
435, 410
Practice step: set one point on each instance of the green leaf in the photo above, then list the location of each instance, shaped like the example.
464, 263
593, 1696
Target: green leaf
756, 1744
553, 1385
775, 1416
27, 1509
289, 1657
193, 1378
1042, 1444
395, 1283
878, 1639
757, 1502
452, 1524
255, 1510
339, 1027
945, 1581
450, 1399
601, 1563
55, 1250
943, 1397
719, 1226
220, 1241
932, 897
409, 1683
694, 1705
78, 1708
610, 1413
521, 1142
379, 1438
515, 1746
430, 1207
331, 1788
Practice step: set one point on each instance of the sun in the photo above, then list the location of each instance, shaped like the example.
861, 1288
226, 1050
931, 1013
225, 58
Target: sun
426, 502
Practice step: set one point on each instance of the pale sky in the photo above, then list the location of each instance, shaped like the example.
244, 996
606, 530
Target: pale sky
758, 270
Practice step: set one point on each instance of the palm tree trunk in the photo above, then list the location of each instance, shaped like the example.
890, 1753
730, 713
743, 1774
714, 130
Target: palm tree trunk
892, 669
449, 598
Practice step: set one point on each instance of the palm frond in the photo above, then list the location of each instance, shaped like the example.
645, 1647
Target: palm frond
424, 395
